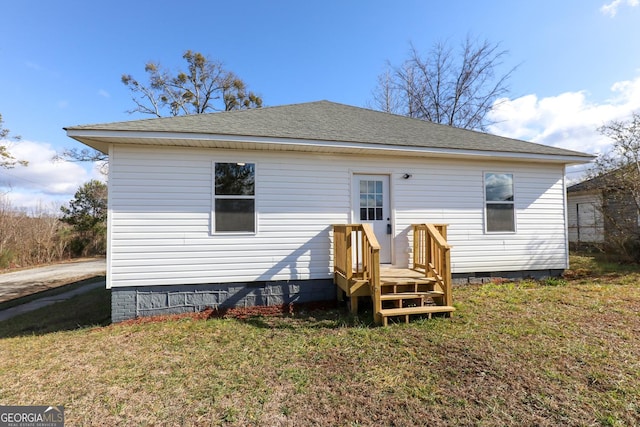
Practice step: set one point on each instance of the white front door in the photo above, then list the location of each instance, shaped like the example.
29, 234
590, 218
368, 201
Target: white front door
371, 205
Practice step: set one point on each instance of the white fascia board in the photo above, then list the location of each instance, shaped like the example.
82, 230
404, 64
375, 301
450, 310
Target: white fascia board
113, 136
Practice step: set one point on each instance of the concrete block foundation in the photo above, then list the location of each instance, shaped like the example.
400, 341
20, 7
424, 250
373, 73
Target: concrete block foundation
132, 302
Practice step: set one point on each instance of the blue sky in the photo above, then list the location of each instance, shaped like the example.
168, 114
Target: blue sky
60, 63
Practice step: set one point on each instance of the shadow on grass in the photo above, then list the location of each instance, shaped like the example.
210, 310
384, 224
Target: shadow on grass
327, 315
48, 292
330, 314
89, 309
93, 308
333, 318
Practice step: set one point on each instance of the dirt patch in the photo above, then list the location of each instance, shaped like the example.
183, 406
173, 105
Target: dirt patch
241, 313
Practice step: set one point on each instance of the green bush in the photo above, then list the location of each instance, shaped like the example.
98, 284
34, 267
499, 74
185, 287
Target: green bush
6, 257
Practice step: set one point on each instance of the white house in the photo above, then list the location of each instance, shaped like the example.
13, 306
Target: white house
236, 208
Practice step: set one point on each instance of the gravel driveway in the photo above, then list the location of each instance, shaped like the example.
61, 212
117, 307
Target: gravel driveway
24, 282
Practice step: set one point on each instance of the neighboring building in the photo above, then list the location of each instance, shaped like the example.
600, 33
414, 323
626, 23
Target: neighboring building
601, 213
584, 215
236, 208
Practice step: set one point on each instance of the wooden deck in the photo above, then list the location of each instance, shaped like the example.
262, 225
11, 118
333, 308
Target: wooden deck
390, 273
395, 291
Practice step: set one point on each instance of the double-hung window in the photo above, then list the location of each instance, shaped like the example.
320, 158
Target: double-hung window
499, 202
234, 197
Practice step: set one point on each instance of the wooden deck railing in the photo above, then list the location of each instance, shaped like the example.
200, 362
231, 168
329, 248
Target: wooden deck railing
356, 261
431, 254
356, 266
342, 252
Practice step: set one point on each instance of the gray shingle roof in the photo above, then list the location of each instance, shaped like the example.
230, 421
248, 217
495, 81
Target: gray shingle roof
611, 180
587, 185
328, 121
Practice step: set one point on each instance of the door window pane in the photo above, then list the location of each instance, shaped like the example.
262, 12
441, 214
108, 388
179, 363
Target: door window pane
371, 198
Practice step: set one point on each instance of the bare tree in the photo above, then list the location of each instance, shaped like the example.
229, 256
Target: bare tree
386, 95
84, 155
447, 87
625, 151
7, 160
616, 174
31, 237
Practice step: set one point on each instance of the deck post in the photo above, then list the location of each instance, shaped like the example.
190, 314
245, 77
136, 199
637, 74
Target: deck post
354, 304
375, 285
448, 291
348, 253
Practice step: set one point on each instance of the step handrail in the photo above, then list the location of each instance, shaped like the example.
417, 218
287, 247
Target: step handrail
357, 256
432, 255
371, 256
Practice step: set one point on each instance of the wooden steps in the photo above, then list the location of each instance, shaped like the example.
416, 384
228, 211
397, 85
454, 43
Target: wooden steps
405, 292
425, 288
385, 280
407, 311
410, 295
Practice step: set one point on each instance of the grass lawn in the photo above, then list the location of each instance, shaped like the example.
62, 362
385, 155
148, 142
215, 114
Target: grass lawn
561, 352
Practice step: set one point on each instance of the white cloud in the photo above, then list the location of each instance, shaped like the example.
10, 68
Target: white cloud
611, 9
569, 120
43, 181
104, 93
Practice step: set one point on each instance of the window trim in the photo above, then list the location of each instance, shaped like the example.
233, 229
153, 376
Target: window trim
215, 197
499, 202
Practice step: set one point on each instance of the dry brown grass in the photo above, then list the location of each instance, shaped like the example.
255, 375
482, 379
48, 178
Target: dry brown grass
553, 353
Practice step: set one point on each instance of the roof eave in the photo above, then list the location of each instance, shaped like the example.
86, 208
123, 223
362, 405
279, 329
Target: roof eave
101, 139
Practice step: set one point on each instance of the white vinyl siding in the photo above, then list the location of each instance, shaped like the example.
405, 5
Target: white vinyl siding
161, 212
162, 207
456, 197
